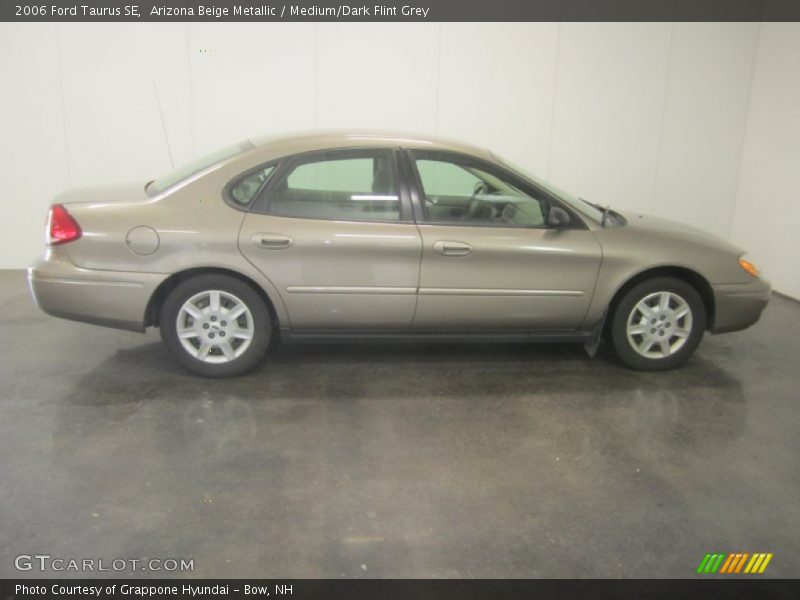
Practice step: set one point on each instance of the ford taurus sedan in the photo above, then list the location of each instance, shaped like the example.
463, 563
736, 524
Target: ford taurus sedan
376, 235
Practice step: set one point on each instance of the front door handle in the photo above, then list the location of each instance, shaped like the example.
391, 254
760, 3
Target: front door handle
271, 241
448, 248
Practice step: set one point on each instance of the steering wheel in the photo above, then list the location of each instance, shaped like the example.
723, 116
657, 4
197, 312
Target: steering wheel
481, 188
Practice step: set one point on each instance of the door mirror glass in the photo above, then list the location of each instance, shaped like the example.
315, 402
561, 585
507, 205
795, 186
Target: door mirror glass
558, 217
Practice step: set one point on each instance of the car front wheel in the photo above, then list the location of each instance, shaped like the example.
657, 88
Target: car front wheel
658, 324
215, 325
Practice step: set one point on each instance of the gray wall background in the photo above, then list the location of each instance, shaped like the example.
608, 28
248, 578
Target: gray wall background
694, 121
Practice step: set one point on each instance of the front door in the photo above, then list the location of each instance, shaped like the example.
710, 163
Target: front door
332, 235
489, 260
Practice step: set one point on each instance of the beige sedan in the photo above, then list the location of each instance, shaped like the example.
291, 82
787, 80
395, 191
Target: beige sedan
380, 235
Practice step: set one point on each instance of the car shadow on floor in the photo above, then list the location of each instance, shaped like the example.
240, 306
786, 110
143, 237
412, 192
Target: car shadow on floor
698, 400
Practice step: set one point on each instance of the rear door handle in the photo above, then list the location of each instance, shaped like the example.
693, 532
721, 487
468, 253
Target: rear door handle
271, 241
448, 248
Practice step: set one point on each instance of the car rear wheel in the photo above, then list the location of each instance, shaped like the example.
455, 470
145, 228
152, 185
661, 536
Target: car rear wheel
658, 324
215, 325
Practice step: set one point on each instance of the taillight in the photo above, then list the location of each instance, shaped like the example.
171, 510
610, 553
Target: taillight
61, 227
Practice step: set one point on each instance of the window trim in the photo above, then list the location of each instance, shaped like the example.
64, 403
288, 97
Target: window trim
262, 201
411, 155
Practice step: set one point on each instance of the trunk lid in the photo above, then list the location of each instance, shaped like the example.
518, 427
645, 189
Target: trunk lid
120, 192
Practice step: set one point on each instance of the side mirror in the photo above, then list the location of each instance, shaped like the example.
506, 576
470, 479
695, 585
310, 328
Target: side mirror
557, 217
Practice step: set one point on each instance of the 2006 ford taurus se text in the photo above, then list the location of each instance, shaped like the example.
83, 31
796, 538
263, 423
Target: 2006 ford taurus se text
343, 235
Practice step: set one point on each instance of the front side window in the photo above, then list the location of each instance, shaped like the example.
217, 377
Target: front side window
345, 185
459, 191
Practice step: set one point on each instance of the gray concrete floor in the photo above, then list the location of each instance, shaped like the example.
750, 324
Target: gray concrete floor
397, 460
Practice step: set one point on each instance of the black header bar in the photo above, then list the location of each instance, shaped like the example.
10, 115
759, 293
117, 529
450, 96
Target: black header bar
399, 11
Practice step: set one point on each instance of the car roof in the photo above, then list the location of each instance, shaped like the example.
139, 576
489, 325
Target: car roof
307, 141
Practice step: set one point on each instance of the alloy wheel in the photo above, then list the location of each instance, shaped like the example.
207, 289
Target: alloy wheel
659, 325
214, 326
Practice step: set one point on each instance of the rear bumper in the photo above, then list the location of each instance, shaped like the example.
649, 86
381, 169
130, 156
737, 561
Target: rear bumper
109, 298
738, 306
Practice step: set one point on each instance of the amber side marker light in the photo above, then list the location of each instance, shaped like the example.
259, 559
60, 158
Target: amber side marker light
748, 266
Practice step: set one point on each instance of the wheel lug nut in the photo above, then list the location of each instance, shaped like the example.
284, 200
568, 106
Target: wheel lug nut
211, 335
213, 318
662, 317
223, 323
661, 332
654, 321
653, 330
669, 324
221, 334
205, 325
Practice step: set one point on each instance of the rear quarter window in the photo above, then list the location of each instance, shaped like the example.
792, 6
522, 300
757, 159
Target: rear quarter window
245, 190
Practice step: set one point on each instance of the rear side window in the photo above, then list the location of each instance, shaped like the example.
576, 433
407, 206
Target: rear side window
346, 185
343, 175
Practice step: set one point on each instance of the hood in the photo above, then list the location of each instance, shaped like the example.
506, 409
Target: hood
676, 230
120, 192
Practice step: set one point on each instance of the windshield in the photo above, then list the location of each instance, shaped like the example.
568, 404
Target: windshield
582, 206
178, 175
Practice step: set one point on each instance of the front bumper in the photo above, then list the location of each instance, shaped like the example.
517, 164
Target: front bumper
109, 298
738, 306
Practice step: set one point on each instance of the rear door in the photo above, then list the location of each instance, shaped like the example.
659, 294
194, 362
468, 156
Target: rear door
489, 261
335, 235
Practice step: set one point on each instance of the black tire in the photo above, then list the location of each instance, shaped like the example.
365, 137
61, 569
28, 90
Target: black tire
231, 289
656, 328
